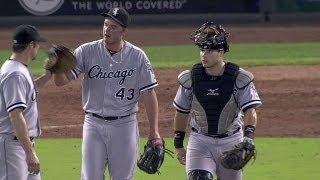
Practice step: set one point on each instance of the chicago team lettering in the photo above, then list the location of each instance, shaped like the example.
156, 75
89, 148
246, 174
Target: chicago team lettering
96, 72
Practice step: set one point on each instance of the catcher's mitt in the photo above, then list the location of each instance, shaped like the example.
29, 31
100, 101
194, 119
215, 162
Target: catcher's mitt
60, 59
152, 158
238, 157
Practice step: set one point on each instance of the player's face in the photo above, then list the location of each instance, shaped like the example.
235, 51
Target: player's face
210, 58
113, 32
34, 49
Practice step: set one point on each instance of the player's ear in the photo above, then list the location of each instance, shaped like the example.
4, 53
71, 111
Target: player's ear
124, 30
32, 44
221, 53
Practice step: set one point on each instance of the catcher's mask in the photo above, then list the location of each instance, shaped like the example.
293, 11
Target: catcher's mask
210, 36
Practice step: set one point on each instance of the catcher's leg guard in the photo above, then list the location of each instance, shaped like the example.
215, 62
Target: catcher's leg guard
199, 174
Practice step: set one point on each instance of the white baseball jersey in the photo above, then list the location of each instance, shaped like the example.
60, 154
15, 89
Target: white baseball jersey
17, 90
246, 97
112, 84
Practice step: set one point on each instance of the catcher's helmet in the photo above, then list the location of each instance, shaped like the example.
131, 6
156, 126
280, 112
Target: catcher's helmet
211, 36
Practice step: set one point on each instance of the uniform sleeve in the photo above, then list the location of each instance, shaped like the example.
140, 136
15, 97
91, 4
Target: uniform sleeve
78, 53
147, 78
15, 92
183, 99
248, 97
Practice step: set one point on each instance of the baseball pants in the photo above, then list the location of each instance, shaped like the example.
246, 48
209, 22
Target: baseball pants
13, 165
203, 152
112, 144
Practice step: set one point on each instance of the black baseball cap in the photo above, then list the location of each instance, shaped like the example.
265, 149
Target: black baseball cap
118, 14
24, 34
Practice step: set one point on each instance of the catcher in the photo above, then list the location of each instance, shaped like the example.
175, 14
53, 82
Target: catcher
220, 99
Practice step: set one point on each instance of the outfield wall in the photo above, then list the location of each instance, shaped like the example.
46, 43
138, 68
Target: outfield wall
172, 19
149, 12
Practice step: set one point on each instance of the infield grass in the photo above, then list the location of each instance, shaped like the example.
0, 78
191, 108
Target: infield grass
184, 56
277, 159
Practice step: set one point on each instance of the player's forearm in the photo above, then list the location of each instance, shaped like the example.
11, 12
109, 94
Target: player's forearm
42, 80
151, 104
180, 121
180, 126
20, 129
250, 117
250, 123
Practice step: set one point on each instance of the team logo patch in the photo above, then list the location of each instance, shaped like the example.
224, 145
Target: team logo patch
213, 92
115, 11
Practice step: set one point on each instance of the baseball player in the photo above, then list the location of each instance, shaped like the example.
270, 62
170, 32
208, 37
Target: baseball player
219, 98
116, 74
19, 116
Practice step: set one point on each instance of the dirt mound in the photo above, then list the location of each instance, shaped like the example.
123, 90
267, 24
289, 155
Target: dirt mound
290, 97
290, 94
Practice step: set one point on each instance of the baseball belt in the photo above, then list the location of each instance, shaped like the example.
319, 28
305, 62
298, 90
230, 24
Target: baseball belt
218, 136
107, 118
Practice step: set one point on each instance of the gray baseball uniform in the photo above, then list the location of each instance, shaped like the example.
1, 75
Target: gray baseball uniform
110, 93
17, 90
210, 138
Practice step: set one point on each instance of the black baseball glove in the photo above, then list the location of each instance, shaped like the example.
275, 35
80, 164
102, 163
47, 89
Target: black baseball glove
238, 157
152, 158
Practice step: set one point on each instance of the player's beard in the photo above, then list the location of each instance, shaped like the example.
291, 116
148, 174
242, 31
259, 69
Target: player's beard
112, 42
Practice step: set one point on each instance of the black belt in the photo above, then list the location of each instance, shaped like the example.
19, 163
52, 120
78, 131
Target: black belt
107, 118
216, 135
16, 139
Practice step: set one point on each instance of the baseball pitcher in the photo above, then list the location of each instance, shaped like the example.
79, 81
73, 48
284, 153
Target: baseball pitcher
219, 98
116, 74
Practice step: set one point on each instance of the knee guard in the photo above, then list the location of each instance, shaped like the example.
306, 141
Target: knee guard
199, 174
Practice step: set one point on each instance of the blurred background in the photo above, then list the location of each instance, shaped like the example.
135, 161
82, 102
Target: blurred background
145, 12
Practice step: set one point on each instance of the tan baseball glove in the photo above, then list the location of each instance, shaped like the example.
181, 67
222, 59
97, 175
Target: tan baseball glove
60, 59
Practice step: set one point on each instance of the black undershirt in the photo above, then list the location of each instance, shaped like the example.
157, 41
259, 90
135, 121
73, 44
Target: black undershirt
112, 52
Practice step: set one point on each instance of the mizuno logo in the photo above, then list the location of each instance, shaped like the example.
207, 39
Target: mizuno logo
213, 92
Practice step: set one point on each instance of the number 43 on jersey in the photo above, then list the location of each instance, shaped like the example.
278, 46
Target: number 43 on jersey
125, 93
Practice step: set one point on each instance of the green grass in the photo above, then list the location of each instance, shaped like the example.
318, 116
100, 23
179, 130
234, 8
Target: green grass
36, 65
184, 56
243, 54
278, 159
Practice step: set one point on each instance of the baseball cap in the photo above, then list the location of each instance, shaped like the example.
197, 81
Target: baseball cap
24, 34
118, 14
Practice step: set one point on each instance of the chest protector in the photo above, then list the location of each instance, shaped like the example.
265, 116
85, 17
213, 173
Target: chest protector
213, 93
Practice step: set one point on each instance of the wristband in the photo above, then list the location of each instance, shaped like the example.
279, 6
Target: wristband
249, 131
178, 139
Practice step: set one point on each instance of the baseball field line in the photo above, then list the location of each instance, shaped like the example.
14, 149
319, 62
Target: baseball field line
62, 126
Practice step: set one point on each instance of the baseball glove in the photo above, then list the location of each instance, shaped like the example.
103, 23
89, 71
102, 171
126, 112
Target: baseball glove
238, 157
152, 158
60, 59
